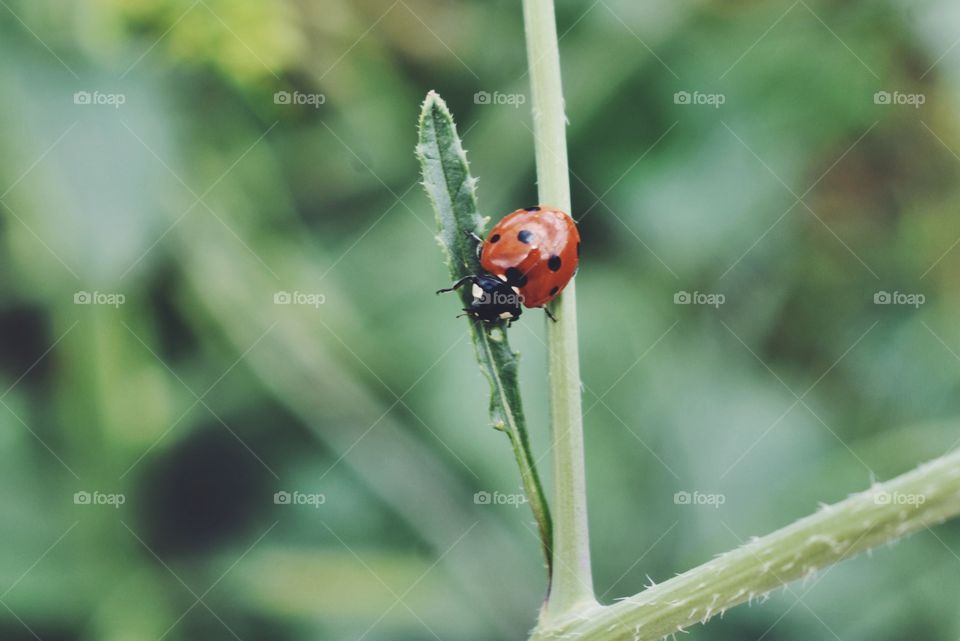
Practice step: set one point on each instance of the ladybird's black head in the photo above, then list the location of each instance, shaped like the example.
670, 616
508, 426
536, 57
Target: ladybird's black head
494, 300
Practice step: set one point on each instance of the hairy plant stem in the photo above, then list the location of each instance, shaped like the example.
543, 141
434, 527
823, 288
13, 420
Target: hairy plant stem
572, 582
884, 513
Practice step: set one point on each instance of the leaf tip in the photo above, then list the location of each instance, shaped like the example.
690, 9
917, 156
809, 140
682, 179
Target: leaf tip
431, 102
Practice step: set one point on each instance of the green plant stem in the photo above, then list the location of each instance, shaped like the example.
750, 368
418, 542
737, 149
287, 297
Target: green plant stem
884, 513
572, 582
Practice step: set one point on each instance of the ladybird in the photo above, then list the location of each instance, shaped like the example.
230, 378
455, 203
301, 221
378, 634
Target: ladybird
529, 257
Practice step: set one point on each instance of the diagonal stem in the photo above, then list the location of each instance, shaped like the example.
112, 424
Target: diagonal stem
886, 512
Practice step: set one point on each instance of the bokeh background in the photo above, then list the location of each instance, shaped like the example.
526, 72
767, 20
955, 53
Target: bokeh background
159, 199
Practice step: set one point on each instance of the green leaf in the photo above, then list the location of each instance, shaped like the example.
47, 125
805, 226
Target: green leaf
452, 190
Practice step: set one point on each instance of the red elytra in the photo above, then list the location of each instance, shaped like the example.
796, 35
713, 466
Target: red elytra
536, 250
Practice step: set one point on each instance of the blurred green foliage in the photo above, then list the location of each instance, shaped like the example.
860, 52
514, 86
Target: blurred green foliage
201, 197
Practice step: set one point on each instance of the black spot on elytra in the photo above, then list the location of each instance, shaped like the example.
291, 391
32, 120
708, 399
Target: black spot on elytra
533, 209
525, 236
554, 263
554, 290
515, 278
495, 238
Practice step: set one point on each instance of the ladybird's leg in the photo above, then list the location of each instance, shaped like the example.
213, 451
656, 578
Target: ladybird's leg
457, 285
551, 316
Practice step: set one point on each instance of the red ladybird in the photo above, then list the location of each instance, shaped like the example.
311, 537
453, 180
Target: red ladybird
532, 254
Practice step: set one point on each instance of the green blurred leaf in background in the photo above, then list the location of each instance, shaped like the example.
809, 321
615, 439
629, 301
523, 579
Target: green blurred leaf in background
202, 198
